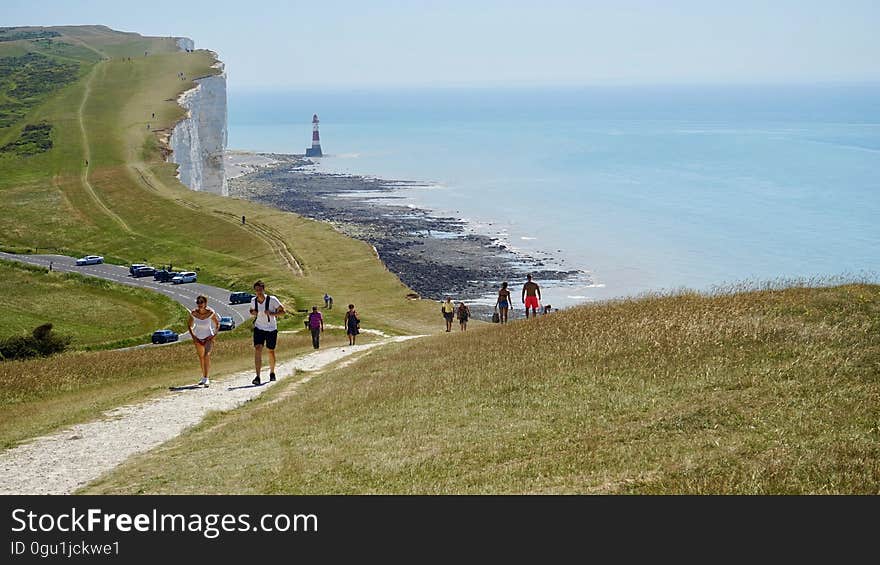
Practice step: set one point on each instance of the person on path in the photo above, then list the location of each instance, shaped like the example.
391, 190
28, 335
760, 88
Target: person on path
316, 326
463, 314
203, 326
448, 310
50, 266
265, 310
531, 295
504, 303
352, 324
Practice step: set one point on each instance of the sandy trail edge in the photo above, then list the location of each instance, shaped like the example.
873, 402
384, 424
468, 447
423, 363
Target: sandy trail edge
64, 461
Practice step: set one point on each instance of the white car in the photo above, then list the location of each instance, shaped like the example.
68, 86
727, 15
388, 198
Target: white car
90, 260
185, 277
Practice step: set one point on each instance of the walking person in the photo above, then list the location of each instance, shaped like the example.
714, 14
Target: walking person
448, 310
531, 295
326, 300
504, 303
265, 310
463, 314
50, 266
316, 326
352, 324
203, 326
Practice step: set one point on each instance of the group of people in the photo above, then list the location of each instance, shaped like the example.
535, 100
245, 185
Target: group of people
451, 311
204, 325
531, 298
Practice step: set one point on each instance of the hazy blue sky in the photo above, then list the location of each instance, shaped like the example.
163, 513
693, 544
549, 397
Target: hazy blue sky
372, 43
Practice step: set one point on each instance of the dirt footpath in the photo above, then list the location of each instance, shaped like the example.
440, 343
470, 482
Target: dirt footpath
64, 461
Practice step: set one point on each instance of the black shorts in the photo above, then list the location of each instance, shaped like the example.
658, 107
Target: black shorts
263, 336
448, 316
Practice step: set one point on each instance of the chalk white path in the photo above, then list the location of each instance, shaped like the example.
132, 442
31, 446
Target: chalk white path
64, 461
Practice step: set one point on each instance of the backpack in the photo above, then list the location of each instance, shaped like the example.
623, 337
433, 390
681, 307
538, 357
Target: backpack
265, 309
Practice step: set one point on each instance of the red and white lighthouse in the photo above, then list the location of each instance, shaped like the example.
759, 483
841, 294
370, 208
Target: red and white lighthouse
315, 149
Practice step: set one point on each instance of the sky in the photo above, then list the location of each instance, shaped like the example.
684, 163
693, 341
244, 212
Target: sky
384, 43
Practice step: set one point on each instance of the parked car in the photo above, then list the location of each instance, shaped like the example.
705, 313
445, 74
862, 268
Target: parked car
226, 323
134, 267
90, 260
184, 277
163, 275
144, 272
240, 297
164, 336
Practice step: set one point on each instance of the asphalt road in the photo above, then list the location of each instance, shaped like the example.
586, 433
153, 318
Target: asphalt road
185, 294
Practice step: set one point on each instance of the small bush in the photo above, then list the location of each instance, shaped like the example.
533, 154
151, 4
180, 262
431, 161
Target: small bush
34, 138
41, 343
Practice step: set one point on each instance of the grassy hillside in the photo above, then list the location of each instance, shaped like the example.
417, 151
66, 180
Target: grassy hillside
774, 391
83, 174
38, 397
94, 313
127, 204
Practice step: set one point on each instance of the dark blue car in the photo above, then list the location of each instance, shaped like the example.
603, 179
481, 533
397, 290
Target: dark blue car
163, 275
164, 336
240, 297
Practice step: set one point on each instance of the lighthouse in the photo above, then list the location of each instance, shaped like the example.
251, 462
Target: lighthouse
315, 149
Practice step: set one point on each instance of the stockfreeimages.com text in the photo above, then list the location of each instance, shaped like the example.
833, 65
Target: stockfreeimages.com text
209, 525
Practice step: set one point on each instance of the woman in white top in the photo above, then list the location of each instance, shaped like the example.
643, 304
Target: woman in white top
203, 326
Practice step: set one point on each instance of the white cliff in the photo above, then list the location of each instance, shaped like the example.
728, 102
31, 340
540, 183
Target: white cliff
198, 142
185, 43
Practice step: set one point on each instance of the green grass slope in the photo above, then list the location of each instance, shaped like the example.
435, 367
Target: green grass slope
774, 391
93, 312
128, 205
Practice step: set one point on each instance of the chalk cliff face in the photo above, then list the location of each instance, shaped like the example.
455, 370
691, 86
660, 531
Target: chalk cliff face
198, 142
185, 43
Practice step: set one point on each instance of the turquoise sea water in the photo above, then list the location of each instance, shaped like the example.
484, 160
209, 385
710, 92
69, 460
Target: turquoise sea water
645, 188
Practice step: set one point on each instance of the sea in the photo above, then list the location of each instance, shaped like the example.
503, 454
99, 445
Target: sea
642, 189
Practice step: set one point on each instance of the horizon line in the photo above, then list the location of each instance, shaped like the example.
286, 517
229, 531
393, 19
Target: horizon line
571, 85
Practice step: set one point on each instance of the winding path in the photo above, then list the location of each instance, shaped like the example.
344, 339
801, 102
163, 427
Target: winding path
65, 461
87, 155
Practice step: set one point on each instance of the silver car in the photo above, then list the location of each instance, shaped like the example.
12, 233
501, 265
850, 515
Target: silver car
90, 260
185, 277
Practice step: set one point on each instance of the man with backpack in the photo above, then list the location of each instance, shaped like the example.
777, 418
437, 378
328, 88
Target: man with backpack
265, 309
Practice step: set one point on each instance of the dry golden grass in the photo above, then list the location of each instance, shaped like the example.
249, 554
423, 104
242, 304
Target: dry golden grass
774, 391
38, 396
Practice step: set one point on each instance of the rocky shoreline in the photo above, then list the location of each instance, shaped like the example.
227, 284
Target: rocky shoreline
431, 254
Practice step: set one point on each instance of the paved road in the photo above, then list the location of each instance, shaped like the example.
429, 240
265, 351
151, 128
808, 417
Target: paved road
185, 294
